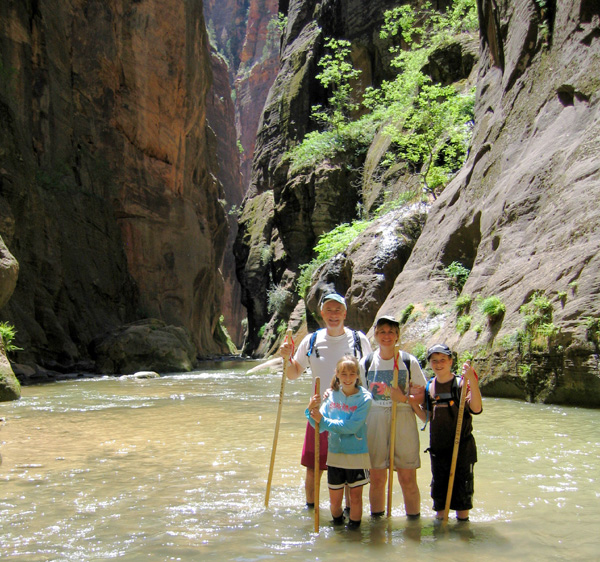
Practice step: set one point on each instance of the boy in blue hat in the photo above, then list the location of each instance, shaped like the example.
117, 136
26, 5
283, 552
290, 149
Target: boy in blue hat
442, 400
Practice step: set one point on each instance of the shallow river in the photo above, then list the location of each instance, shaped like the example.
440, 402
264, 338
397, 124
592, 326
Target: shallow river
175, 469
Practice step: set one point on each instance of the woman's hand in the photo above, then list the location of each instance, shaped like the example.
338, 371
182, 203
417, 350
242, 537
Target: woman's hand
398, 395
416, 394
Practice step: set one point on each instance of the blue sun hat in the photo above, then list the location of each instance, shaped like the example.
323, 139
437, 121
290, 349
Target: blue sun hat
439, 348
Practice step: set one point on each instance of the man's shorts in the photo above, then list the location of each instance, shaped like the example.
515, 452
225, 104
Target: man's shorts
337, 478
462, 489
407, 438
308, 450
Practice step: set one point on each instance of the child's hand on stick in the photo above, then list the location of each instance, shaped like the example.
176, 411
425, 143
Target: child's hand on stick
313, 408
469, 373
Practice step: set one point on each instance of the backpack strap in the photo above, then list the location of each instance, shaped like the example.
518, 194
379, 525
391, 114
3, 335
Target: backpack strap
357, 345
456, 389
431, 398
427, 401
311, 344
358, 352
406, 360
368, 362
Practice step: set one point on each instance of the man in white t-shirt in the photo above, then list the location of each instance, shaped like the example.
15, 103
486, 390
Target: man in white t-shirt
321, 351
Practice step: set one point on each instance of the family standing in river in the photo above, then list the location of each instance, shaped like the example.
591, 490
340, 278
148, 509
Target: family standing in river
357, 413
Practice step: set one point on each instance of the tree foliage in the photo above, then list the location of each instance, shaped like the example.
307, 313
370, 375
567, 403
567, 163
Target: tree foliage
337, 76
329, 245
429, 125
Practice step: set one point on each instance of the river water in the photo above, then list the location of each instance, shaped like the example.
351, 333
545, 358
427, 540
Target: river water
175, 468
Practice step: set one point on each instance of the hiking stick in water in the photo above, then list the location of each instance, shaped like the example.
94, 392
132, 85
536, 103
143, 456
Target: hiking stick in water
459, 420
288, 338
392, 435
317, 468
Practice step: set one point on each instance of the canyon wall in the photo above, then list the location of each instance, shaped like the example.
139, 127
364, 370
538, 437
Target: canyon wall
245, 39
283, 216
521, 215
523, 212
110, 200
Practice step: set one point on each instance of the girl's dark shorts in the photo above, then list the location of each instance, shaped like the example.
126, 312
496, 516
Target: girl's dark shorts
462, 490
337, 478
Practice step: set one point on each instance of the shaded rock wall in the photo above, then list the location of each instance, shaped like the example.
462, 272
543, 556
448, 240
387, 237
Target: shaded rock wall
10, 388
107, 172
244, 34
366, 271
9, 271
221, 119
244, 31
295, 211
523, 212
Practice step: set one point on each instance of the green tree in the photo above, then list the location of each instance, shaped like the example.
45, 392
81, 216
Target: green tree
337, 76
431, 124
329, 245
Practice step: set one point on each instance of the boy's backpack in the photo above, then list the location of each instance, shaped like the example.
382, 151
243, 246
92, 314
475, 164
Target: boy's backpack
358, 352
449, 398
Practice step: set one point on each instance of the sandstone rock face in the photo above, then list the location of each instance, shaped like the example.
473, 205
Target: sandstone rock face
259, 64
220, 117
10, 389
304, 207
108, 172
246, 35
9, 273
365, 273
145, 346
523, 212
245, 31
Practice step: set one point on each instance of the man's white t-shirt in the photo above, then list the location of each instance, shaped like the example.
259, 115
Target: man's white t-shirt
327, 351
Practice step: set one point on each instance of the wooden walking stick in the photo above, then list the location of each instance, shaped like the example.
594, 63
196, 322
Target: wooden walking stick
392, 435
317, 468
459, 420
288, 338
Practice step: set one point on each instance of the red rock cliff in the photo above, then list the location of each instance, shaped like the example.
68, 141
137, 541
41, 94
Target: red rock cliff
107, 171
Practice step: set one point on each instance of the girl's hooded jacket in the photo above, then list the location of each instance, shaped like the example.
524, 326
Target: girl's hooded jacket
344, 418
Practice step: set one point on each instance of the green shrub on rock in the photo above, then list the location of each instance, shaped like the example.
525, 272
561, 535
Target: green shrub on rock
492, 308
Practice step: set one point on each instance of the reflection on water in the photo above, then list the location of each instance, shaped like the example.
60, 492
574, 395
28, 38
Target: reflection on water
175, 469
